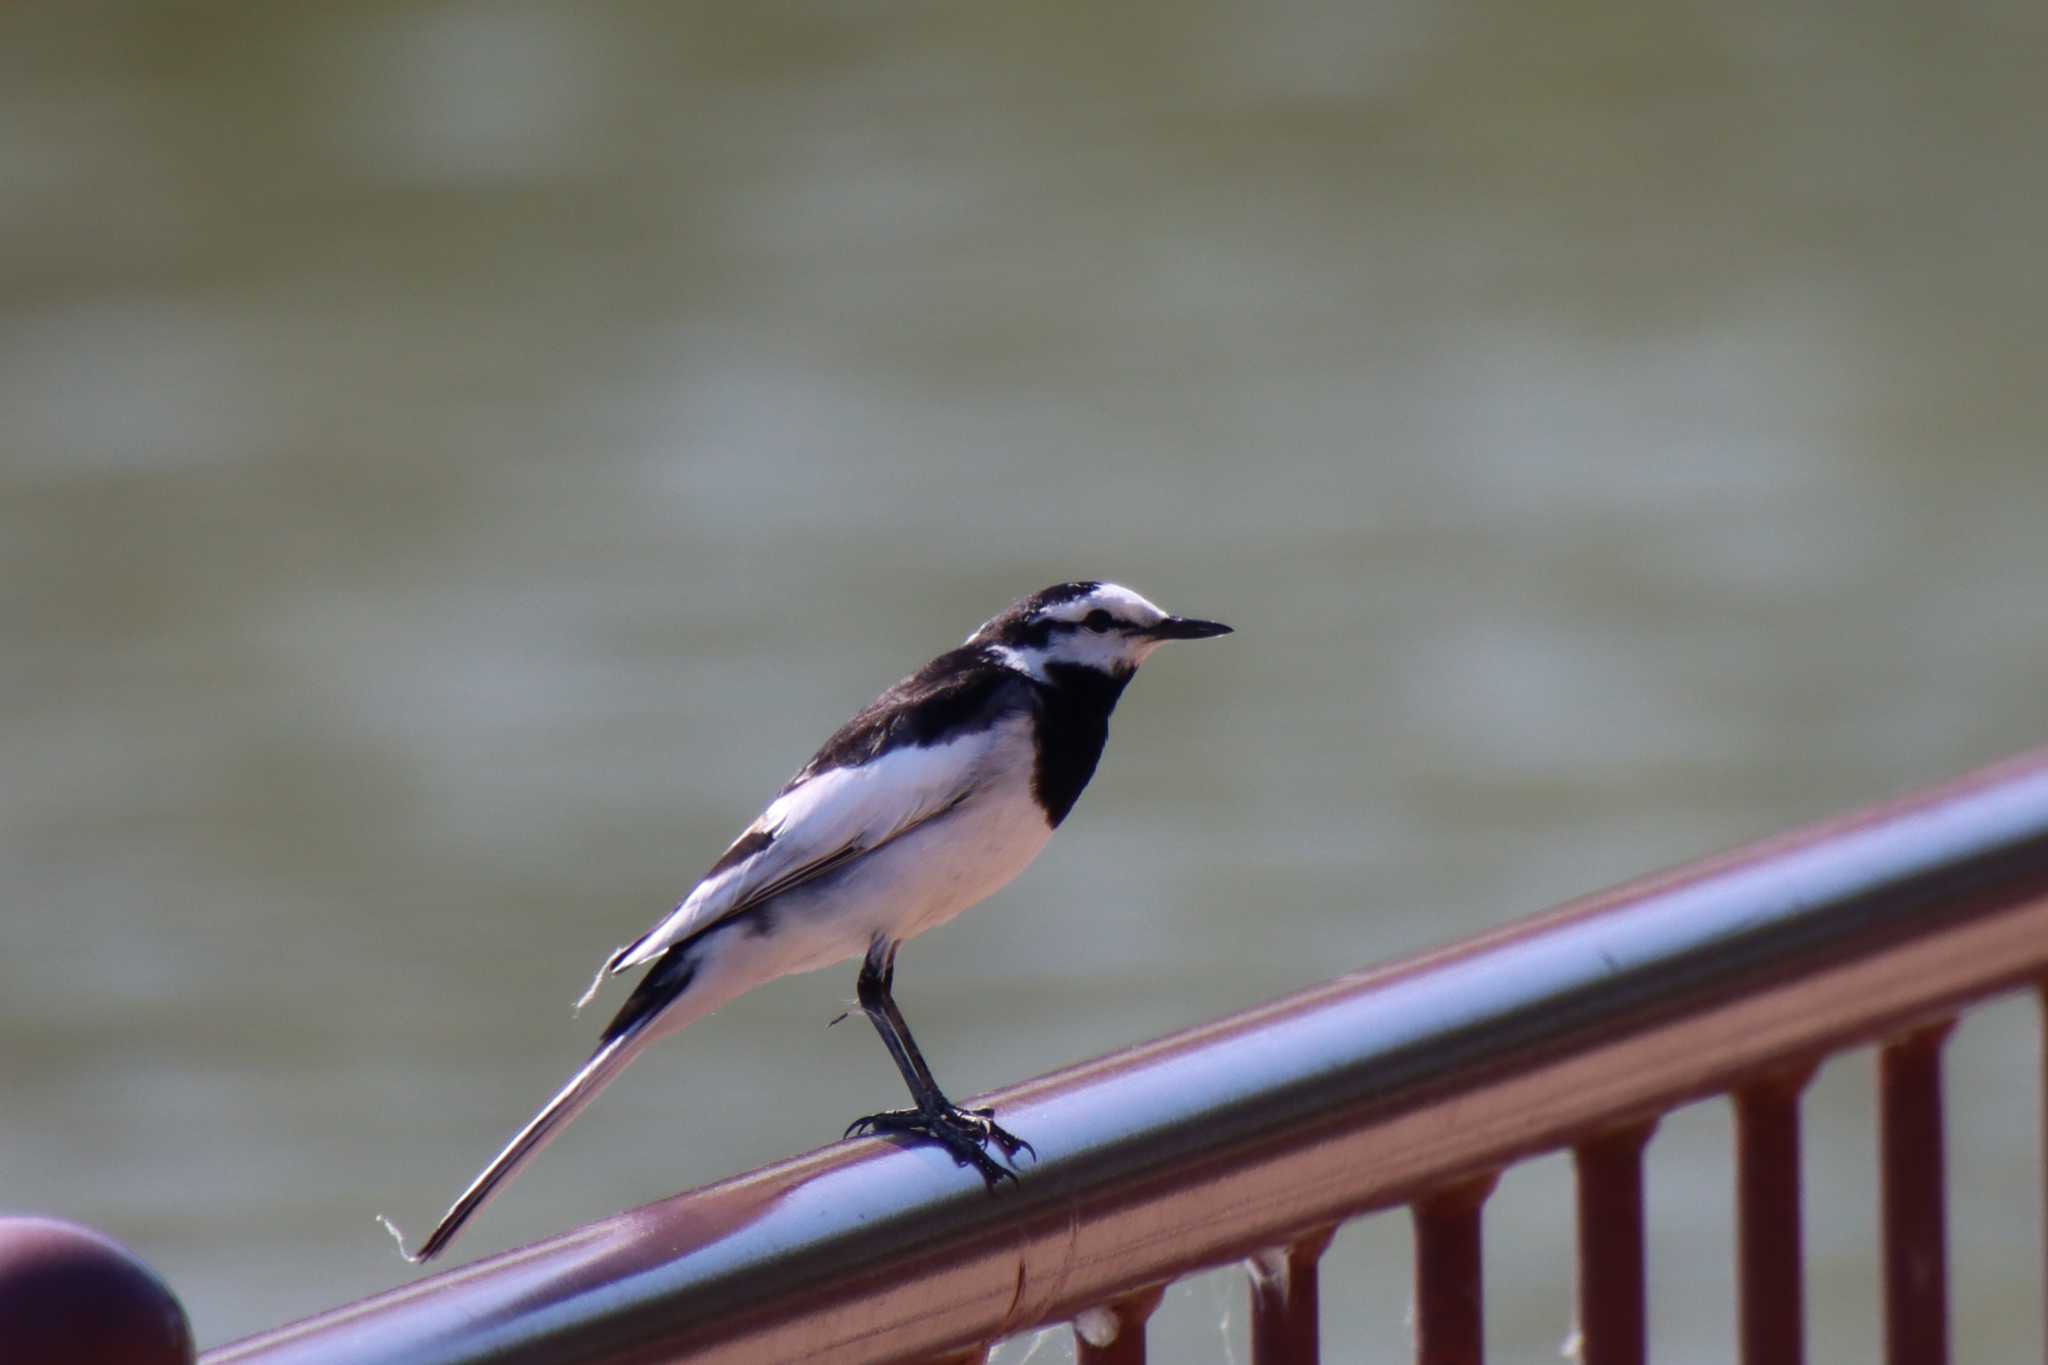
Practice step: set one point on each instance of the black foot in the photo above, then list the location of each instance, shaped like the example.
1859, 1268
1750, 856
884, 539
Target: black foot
966, 1133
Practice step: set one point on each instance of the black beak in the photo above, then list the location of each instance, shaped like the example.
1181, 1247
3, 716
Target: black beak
1187, 628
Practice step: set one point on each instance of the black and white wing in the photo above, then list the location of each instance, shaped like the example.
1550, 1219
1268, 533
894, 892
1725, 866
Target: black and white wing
913, 754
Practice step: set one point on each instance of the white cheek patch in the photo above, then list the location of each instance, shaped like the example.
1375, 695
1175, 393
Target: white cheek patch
1110, 650
1106, 652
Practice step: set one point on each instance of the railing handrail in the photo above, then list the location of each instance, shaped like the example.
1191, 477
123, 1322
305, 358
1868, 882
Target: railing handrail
1252, 1131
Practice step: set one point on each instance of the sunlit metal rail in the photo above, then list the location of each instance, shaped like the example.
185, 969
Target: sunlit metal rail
1251, 1139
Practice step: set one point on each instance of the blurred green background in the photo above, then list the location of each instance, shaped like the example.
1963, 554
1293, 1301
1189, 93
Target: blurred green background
457, 460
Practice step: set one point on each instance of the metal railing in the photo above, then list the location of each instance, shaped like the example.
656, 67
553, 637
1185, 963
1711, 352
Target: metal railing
1254, 1137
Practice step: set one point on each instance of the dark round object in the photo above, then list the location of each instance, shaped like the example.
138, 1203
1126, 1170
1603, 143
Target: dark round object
69, 1295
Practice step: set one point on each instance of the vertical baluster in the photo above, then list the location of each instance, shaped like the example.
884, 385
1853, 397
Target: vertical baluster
1915, 1238
1114, 1333
1768, 1262
1284, 1309
1613, 1318
1450, 1317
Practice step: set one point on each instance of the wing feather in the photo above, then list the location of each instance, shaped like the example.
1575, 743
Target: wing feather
881, 776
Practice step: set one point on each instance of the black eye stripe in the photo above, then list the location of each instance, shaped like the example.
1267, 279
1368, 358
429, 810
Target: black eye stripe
1037, 632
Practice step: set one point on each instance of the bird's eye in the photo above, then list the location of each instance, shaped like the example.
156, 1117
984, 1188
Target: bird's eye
1098, 620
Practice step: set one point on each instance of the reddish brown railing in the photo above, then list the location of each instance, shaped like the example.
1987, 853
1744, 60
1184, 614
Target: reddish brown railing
1253, 1138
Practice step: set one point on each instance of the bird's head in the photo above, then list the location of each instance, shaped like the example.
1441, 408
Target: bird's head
1100, 627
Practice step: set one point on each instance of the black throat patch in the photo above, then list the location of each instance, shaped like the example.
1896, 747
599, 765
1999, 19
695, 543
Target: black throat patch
1073, 724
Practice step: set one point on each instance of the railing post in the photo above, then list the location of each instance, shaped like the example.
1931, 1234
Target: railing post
1284, 1303
1450, 1316
1114, 1333
1914, 1202
1769, 1264
1613, 1317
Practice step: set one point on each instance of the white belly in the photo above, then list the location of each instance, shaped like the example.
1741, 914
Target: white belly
935, 872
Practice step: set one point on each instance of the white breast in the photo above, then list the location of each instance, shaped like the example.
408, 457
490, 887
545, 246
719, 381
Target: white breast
942, 868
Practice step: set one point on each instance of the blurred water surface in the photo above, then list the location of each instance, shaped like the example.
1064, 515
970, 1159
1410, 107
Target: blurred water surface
457, 460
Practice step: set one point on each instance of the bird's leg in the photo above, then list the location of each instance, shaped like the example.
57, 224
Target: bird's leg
965, 1133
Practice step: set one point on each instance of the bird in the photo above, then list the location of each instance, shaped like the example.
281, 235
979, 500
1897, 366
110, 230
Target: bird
931, 798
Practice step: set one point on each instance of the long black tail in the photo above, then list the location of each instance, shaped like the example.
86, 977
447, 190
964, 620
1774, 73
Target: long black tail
623, 1039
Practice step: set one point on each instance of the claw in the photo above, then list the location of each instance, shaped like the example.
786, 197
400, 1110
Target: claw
1000, 1136
964, 1133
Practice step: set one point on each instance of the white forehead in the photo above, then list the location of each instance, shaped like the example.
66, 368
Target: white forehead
1114, 598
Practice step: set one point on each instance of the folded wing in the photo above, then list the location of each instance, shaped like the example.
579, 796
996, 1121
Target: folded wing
816, 827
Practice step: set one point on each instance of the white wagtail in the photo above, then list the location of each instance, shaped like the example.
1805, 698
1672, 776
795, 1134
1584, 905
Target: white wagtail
925, 803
